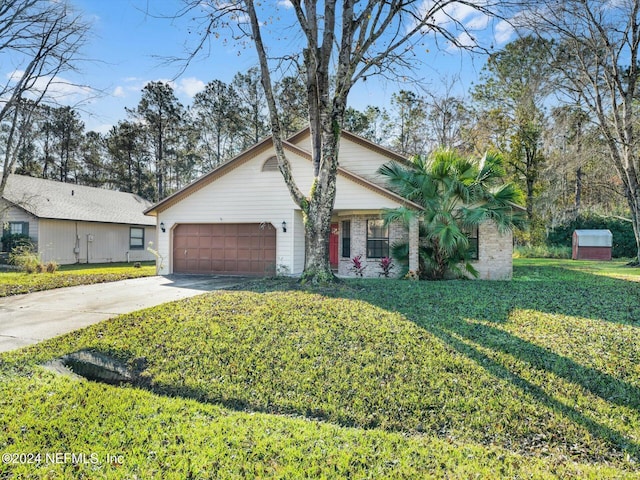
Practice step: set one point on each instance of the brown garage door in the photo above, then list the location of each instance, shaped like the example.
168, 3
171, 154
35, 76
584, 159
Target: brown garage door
227, 249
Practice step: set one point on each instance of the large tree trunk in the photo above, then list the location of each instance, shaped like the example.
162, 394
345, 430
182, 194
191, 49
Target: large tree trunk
578, 193
634, 202
624, 165
318, 217
325, 118
316, 265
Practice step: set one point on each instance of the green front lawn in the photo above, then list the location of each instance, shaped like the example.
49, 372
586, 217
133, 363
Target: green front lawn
14, 283
534, 378
563, 269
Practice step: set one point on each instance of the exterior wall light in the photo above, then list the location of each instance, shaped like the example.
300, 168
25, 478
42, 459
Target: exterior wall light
284, 226
162, 227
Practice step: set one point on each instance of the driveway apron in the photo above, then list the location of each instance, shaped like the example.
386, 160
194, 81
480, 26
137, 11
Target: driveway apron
30, 318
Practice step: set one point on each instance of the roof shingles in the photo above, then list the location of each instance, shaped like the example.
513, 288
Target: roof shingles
66, 201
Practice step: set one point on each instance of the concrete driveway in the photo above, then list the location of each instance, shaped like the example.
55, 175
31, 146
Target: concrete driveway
30, 318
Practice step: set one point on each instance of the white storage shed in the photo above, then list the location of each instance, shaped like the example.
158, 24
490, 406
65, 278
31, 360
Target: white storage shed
592, 245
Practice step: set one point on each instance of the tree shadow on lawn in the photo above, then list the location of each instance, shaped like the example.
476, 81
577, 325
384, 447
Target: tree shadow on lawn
574, 292
584, 295
432, 306
467, 316
598, 430
468, 338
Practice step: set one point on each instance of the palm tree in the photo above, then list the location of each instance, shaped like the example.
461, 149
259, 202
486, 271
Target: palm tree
457, 195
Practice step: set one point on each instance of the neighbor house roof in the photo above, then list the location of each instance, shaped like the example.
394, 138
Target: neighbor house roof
67, 201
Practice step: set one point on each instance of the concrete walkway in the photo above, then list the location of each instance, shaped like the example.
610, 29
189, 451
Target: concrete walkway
30, 318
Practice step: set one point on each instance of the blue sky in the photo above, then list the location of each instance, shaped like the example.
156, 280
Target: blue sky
129, 43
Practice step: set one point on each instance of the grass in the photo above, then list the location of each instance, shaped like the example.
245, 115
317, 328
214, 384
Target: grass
534, 378
14, 283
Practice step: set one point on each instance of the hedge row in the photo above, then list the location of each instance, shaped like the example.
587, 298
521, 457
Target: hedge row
624, 242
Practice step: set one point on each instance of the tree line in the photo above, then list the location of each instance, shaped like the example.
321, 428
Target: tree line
553, 152
159, 147
558, 103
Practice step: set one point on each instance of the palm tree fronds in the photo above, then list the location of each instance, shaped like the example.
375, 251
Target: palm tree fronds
456, 194
402, 214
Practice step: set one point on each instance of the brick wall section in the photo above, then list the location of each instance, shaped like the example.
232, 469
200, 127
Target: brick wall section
495, 250
496, 253
397, 233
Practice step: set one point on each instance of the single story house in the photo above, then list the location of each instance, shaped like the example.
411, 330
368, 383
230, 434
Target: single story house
240, 219
71, 223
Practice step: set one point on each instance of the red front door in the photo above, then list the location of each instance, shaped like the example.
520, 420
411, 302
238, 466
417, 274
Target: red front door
333, 245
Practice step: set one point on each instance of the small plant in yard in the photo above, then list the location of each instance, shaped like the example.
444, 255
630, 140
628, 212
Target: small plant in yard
25, 258
386, 265
51, 266
357, 266
156, 253
282, 270
12, 240
412, 275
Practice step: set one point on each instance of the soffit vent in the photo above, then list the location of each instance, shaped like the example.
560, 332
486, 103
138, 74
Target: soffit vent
271, 165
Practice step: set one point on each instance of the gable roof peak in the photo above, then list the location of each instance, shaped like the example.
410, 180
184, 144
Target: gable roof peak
365, 142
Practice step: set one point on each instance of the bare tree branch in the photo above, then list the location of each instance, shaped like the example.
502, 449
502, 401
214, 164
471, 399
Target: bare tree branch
340, 45
42, 39
598, 48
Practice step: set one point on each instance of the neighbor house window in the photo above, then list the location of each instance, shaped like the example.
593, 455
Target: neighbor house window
377, 239
18, 228
346, 238
136, 238
474, 245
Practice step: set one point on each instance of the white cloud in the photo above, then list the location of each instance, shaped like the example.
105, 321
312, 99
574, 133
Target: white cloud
464, 20
57, 89
503, 32
285, 4
190, 86
478, 22
103, 128
464, 40
119, 92
187, 86
134, 84
452, 13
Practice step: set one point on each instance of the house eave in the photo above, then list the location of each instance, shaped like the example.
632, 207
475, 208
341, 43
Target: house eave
259, 148
208, 178
305, 132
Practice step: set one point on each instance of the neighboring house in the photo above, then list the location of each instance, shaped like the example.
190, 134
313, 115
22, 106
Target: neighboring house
240, 219
71, 223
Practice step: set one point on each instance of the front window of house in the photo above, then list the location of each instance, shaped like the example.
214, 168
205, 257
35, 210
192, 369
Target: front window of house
474, 245
136, 238
377, 239
346, 239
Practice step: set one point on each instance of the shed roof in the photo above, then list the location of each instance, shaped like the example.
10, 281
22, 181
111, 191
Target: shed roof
594, 238
67, 201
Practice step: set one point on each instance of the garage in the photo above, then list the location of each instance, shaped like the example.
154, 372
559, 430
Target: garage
225, 249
